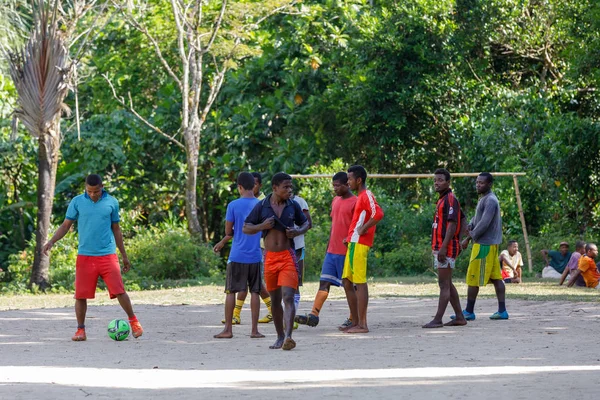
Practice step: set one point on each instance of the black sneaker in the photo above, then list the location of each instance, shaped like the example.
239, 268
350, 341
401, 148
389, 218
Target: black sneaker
307, 319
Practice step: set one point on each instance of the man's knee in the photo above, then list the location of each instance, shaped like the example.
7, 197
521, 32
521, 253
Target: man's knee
288, 294
324, 286
287, 299
444, 284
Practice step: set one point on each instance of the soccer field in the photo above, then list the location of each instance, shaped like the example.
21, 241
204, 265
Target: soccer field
535, 354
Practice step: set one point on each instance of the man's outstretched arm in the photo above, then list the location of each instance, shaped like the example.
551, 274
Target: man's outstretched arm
62, 230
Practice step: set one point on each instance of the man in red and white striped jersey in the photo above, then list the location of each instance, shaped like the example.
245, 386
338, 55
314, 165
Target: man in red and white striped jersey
448, 223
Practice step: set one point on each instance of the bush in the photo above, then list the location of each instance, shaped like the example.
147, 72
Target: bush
316, 239
162, 256
169, 252
62, 266
406, 259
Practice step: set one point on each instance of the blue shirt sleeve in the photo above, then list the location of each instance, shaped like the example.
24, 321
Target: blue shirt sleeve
254, 217
229, 216
114, 215
72, 211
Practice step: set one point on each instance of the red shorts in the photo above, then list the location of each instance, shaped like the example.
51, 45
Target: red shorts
281, 269
89, 268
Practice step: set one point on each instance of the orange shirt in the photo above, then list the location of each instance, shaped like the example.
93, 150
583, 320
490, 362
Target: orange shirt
588, 269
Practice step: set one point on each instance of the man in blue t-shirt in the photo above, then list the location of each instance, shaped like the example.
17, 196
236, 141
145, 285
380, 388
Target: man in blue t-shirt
97, 216
241, 296
243, 265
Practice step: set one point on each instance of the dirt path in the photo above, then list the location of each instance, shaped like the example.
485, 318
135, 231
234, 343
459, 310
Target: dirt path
530, 356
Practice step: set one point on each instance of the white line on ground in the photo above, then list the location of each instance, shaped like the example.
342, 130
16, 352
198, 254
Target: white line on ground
170, 379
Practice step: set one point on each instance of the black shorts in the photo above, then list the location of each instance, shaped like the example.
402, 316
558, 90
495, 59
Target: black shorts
243, 277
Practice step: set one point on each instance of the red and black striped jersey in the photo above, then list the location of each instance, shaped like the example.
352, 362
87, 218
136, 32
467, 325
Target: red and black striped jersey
447, 210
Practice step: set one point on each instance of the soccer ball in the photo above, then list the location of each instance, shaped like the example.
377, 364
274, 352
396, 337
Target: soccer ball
118, 329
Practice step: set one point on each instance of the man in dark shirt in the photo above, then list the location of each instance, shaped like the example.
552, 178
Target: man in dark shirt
275, 217
558, 261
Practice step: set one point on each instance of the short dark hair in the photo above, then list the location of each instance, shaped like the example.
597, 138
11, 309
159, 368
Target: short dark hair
443, 171
588, 247
342, 177
488, 177
359, 172
511, 242
258, 176
246, 180
279, 177
579, 244
93, 180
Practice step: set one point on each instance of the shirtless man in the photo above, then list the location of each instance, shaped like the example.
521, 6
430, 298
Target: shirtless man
275, 217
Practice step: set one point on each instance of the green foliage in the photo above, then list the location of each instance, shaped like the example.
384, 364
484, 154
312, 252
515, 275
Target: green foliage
406, 259
403, 240
316, 240
140, 170
18, 174
161, 256
62, 266
399, 87
161, 253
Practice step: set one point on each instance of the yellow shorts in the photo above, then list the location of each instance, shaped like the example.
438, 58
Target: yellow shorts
484, 265
355, 265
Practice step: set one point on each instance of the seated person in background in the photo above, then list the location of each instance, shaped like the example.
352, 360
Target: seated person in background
511, 262
587, 268
573, 263
558, 261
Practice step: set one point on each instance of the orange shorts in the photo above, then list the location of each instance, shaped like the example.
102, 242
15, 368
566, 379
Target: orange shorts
89, 268
281, 269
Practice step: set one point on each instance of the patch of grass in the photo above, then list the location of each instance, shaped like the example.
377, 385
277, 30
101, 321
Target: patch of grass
406, 286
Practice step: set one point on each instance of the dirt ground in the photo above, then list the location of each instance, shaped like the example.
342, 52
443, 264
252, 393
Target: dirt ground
546, 350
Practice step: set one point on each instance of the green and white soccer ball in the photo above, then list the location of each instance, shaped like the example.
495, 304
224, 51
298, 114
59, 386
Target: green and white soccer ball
118, 329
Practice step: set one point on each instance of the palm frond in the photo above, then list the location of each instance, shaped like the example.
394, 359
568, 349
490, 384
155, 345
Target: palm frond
41, 73
15, 22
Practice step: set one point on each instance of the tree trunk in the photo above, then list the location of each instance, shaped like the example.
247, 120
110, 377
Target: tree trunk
191, 207
49, 145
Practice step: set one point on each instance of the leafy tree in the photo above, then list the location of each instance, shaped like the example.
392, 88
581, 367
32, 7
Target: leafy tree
41, 73
208, 39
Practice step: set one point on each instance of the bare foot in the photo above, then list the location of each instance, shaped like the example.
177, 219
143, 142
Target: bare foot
288, 344
358, 329
278, 343
257, 335
224, 335
456, 322
433, 324
346, 328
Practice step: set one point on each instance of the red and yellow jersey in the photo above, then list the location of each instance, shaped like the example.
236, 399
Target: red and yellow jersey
366, 208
